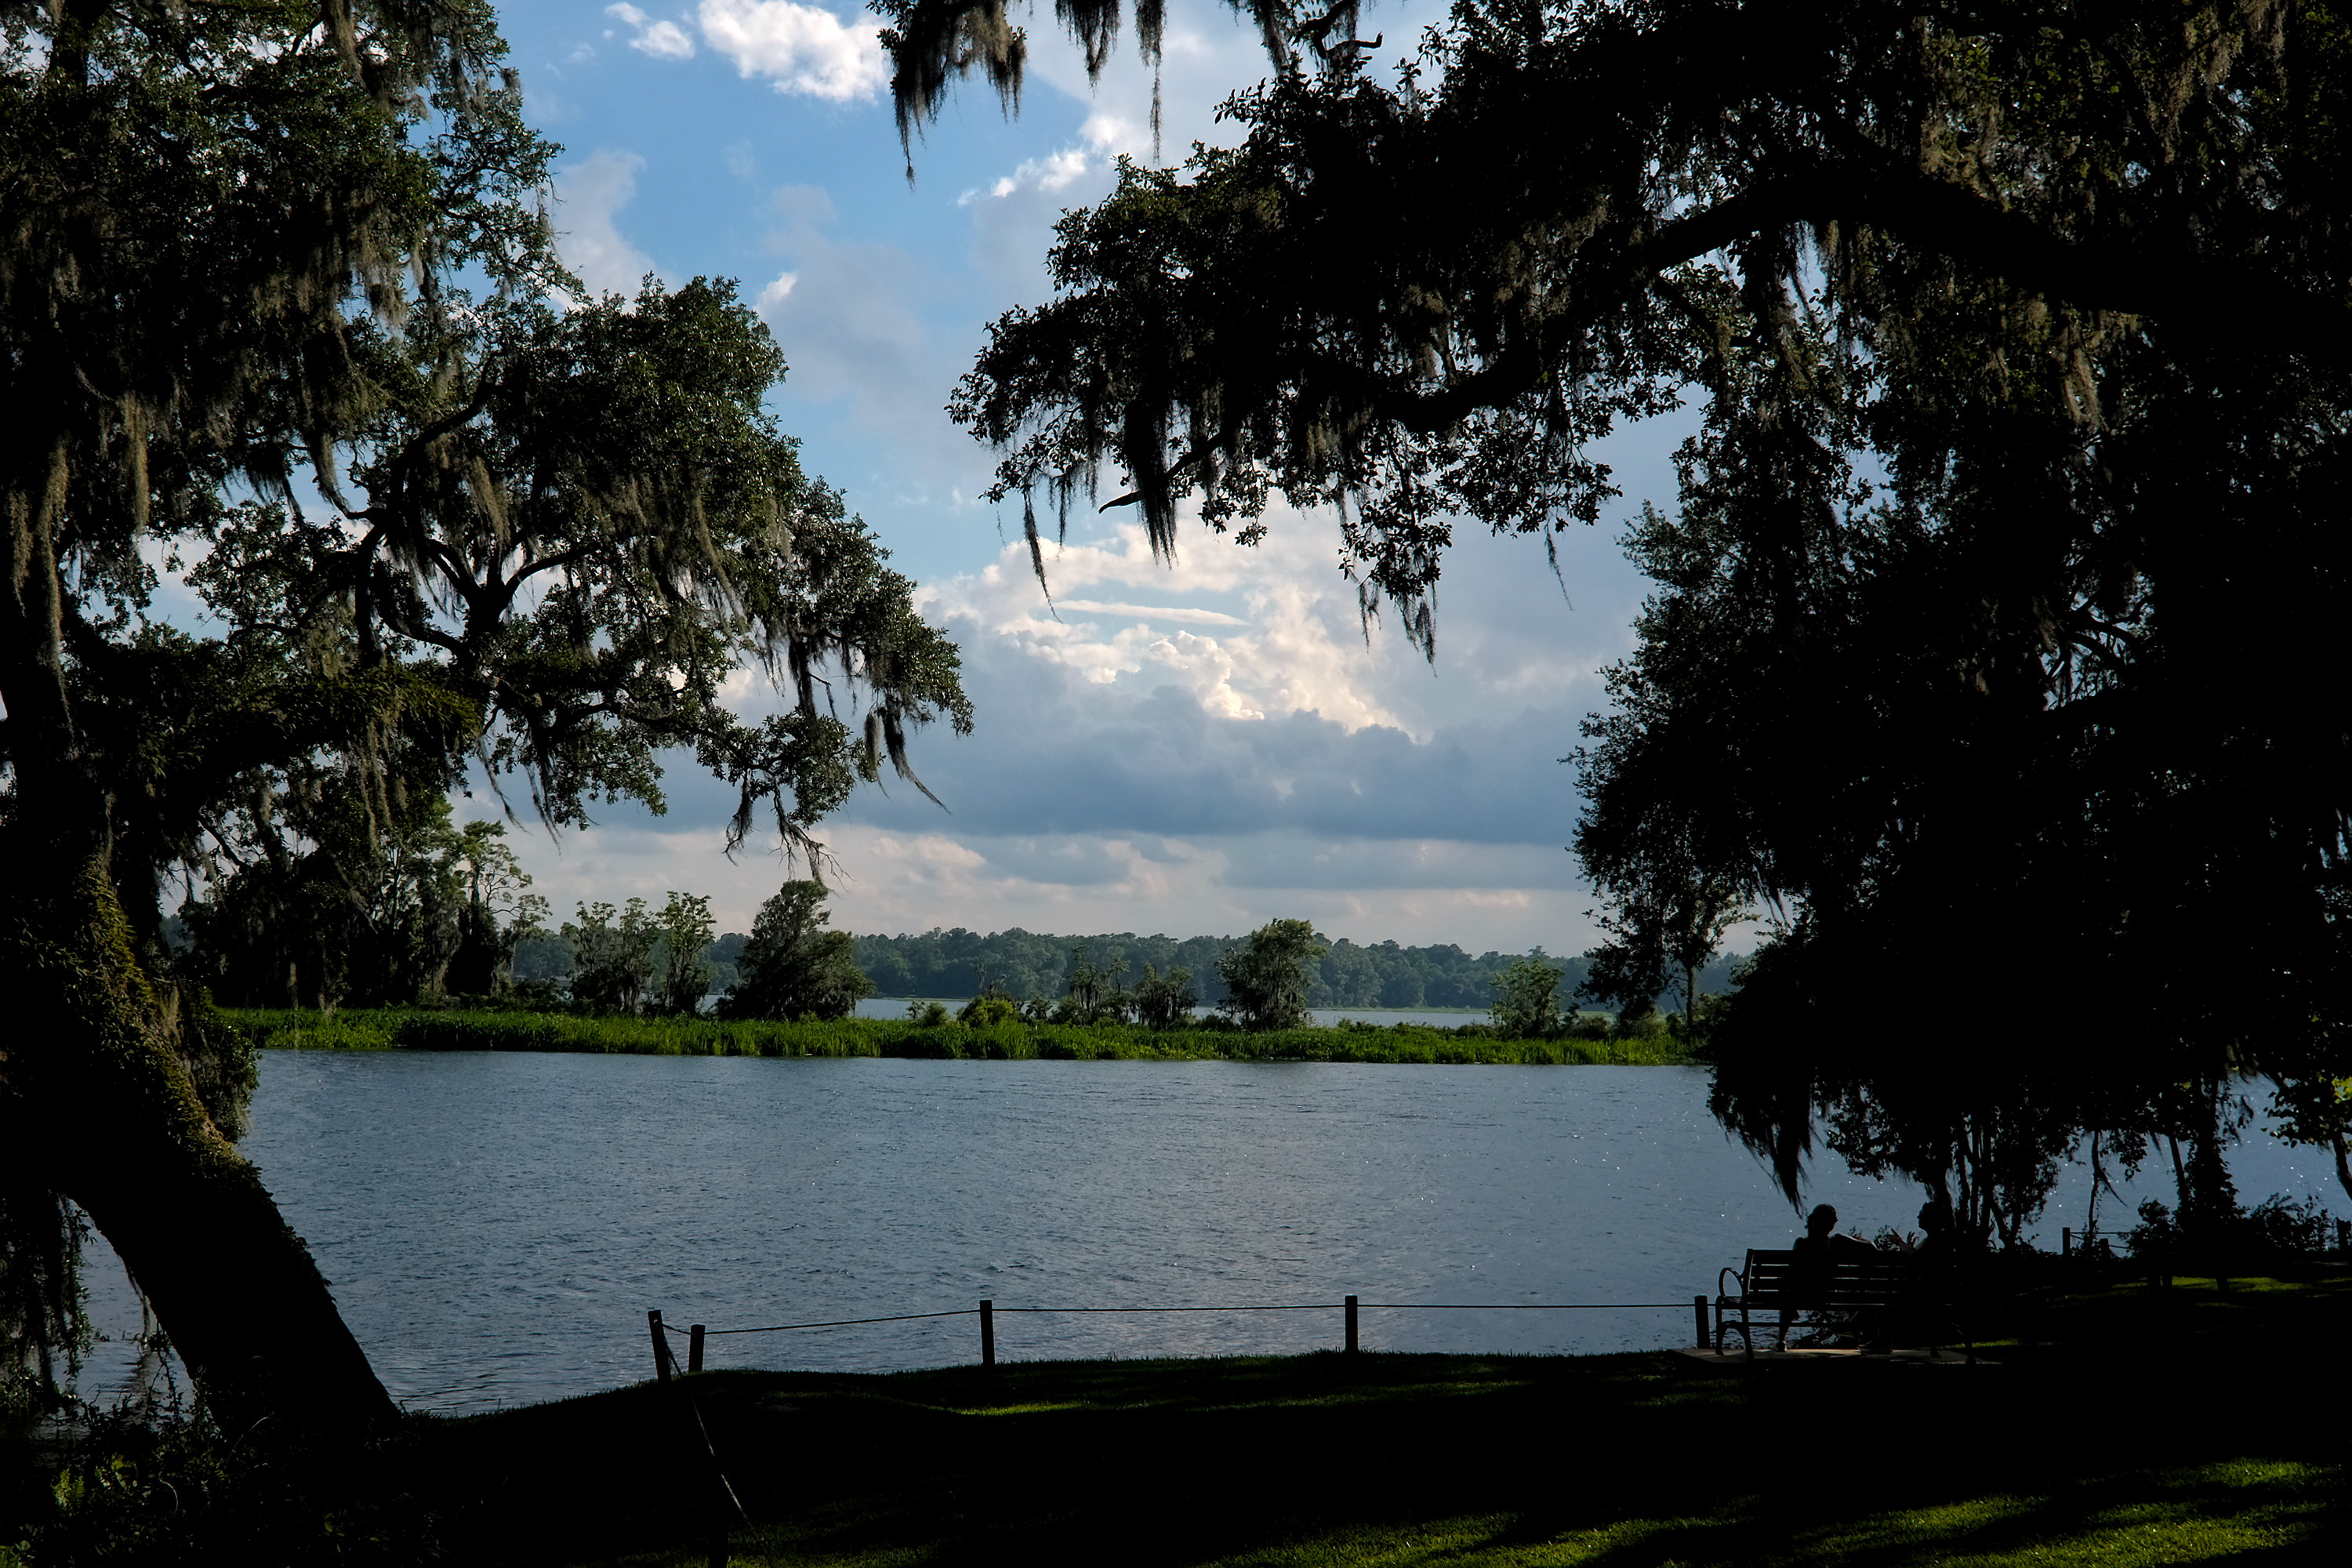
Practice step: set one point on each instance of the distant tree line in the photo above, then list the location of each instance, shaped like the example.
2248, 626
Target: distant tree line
1021, 963
450, 918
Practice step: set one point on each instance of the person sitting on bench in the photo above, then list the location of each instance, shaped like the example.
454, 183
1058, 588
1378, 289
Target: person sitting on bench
1816, 1253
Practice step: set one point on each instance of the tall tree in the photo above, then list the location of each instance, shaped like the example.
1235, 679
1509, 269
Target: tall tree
793, 967
1269, 975
235, 246
1526, 999
685, 929
1999, 591
612, 959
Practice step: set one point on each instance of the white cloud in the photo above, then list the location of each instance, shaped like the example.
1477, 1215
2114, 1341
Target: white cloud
805, 49
664, 40
1152, 611
1056, 171
772, 297
589, 196
1107, 135
1299, 650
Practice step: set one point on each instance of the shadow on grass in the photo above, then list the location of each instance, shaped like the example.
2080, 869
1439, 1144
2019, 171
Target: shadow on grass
1625, 1461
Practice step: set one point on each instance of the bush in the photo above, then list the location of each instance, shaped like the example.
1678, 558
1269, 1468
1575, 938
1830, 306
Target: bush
988, 1010
170, 1487
2284, 1230
2275, 1228
2155, 1236
1649, 1023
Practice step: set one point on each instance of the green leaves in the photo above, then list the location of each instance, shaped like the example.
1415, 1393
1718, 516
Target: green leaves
1266, 977
1527, 999
792, 967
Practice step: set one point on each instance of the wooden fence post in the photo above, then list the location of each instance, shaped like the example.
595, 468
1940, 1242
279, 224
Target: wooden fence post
988, 1333
1351, 1325
661, 1348
2066, 1241
1698, 1311
693, 1348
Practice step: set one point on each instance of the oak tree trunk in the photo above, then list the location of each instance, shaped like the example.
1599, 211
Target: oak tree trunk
95, 1100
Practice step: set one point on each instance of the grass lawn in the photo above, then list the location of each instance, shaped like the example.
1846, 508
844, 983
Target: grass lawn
2121, 1427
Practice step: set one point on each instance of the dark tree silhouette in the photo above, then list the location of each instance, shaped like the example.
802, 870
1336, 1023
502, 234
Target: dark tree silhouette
1998, 601
234, 243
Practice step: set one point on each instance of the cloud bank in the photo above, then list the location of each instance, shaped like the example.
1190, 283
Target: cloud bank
802, 49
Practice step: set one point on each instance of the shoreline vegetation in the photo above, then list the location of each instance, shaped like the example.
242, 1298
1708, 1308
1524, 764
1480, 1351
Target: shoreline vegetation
488, 1029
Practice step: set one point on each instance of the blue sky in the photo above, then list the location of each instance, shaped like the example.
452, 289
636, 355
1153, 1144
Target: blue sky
1199, 749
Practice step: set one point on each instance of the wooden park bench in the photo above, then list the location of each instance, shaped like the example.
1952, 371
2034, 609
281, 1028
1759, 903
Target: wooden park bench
1768, 1293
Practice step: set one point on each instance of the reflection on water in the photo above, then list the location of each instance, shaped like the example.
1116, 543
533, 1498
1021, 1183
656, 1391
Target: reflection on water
497, 1226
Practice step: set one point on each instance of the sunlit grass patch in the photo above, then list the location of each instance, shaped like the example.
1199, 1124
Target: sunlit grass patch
2186, 1514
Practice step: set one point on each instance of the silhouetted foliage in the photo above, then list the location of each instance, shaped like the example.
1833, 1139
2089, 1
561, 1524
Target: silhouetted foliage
258, 257
2001, 594
1097, 992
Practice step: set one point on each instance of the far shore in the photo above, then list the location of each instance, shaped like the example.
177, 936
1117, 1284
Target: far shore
486, 1029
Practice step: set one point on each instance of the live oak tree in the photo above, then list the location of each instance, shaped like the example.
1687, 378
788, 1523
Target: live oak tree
276, 297
2000, 596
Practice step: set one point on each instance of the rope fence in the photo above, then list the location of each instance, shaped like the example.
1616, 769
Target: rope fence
665, 1360
846, 1322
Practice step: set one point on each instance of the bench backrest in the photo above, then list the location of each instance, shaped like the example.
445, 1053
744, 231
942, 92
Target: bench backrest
1853, 1278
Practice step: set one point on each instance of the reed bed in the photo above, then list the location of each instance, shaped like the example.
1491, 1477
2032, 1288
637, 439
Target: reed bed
456, 1029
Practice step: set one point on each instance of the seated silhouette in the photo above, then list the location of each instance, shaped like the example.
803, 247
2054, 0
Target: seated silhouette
1815, 1258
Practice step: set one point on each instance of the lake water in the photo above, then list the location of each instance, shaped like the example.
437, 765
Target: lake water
496, 1226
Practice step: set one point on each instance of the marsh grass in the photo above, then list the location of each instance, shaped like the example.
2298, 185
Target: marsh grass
456, 1029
